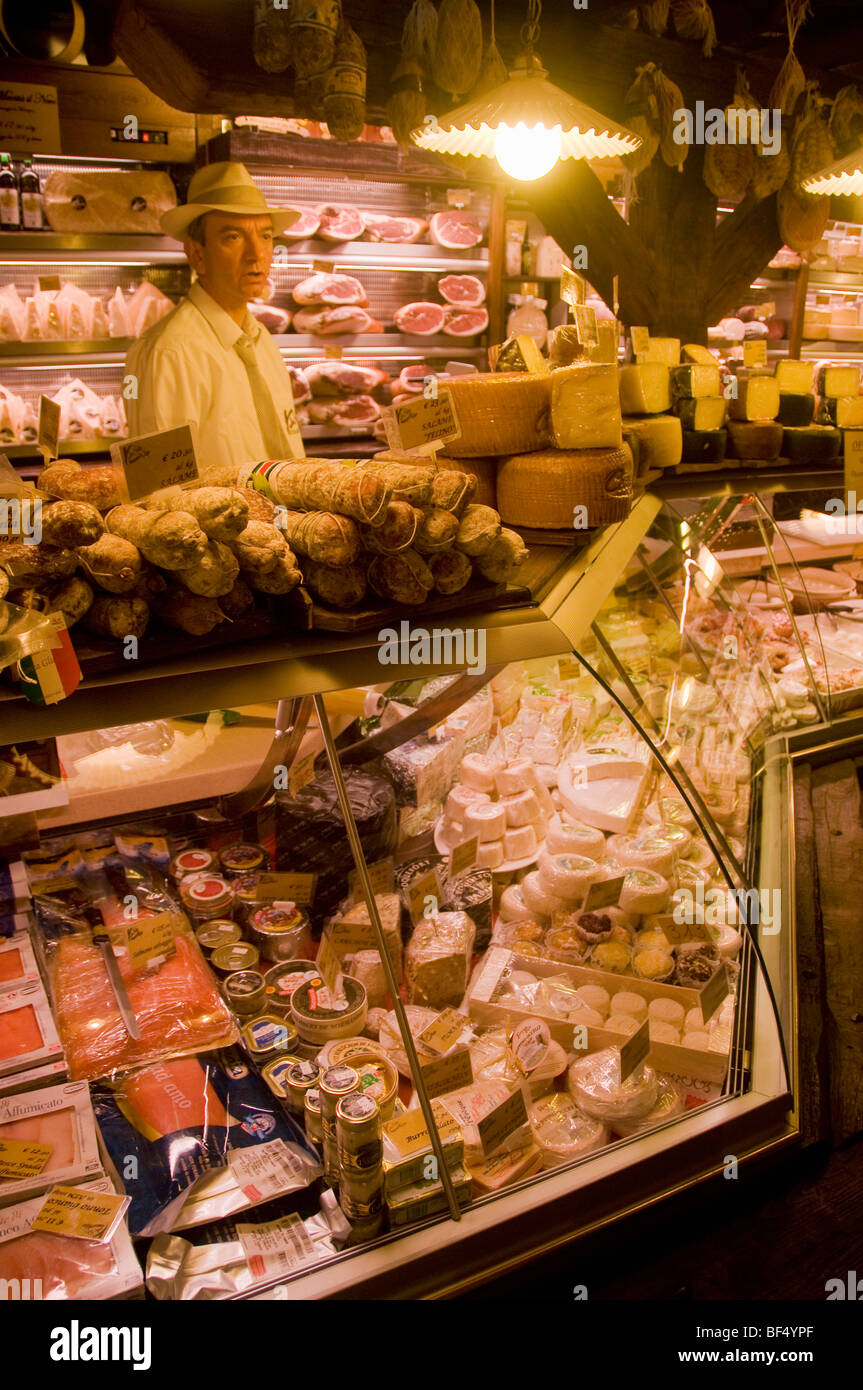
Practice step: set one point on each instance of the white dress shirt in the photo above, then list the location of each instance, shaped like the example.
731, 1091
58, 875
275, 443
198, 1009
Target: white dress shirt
187, 369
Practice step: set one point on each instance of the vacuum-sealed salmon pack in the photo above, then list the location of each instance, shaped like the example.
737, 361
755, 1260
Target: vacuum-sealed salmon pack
56, 1268
28, 1037
18, 966
58, 1119
199, 1138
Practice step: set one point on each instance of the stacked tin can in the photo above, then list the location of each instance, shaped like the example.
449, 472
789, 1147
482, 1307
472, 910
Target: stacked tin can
360, 1154
335, 1083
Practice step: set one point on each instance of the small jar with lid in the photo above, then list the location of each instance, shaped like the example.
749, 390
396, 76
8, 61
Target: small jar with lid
312, 1116
193, 861
300, 1079
243, 858
207, 896
241, 955
245, 889
278, 929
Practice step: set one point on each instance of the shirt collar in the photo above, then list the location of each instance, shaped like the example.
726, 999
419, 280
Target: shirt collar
224, 327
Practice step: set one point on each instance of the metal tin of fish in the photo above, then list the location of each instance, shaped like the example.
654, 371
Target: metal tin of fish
220, 932
244, 991
206, 896
243, 859
336, 1082
277, 929
192, 861
240, 956
275, 1074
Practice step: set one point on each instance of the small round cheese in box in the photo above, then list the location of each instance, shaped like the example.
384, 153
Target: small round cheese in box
567, 876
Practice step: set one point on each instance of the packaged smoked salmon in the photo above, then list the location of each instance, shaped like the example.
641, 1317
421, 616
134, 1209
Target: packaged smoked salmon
57, 1268
59, 1118
196, 1139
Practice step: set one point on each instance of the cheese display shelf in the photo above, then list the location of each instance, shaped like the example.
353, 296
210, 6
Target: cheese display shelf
523, 989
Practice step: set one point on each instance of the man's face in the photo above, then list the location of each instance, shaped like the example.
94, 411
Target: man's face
234, 260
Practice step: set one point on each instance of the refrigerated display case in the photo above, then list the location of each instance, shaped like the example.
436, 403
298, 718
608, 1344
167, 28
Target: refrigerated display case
610, 684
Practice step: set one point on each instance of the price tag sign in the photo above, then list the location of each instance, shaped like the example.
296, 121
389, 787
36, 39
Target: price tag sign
569, 668
422, 424
458, 197
605, 893
347, 937
83, 1215
152, 938
29, 121
323, 267
585, 325
334, 350
755, 353
329, 965
678, 932
634, 1051
48, 437
409, 1134
448, 1073
23, 1158
153, 461
571, 287
640, 339
286, 888
261, 1171
275, 1248
443, 1032
49, 284
530, 1043
421, 889
380, 876
501, 1122
853, 455
463, 857
713, 993
301, 773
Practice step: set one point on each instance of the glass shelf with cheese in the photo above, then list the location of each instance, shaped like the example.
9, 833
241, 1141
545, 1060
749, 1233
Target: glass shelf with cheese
574, 893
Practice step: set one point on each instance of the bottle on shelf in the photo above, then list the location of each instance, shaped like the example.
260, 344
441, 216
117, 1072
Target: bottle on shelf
526, 254
31, 198
528, 315
10, 212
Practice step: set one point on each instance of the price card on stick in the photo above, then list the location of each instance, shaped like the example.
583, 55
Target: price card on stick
49, 428
153, 461
380, 876
422, 425
423, 888
49, 284
635, 1051
713, 993
585, 325
501, 1122
448, 1073
151, 939
640, 339
605, 893
285, 888
463, 857
443, 1032
755, 353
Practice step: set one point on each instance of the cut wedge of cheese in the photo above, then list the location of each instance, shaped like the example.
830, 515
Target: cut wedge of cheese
501, 413
817, 444
660, 439
695, 379
796, 408
694, 352
793, 376
704, 446
846, 412
645, 390
585, 407
761, 439
543, 489
757, 399
838, 381
702, 412
665, 350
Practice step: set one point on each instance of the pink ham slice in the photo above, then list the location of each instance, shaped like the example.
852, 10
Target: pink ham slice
306, 226
339, 222
330, 289
357, 410
330, 323
342, 379
412, 380
467, 291
464, 323
379, 227
420, 319
300, 388
455, 229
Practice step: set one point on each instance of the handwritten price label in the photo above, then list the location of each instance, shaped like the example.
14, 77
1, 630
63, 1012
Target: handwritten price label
286, 888
380, 877
23, 1158
422, 425
152, 938
48, 437
83, 1215
153, 461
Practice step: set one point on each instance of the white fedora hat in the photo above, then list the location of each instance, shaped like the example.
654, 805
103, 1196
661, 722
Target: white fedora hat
224, 187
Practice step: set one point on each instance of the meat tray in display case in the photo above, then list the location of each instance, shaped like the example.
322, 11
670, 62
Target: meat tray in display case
485, 940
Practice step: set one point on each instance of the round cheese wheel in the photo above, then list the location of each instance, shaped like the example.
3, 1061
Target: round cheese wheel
670, 1101
626, 1001
644, 891
647, 852
662, 1032
562, 1131
595, 997
517, 776
565, 836
519, 841
543, 489
522, 808
567, 876
513, 907
487, 819
595, 1086
536, 897
666, 1011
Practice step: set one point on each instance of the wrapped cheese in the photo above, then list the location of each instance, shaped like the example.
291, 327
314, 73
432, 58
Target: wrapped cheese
437, 960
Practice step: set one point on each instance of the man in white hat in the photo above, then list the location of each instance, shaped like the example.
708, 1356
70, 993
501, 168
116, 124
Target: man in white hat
209, 361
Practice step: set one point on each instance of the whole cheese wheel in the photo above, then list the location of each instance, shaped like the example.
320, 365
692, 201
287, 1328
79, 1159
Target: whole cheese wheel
759, 440
542, 489
796, 409
501, 413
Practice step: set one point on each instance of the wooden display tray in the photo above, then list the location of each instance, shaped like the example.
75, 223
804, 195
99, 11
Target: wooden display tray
371, 615
665, 1057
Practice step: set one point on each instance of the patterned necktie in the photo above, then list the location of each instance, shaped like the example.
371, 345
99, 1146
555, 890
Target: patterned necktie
276, 442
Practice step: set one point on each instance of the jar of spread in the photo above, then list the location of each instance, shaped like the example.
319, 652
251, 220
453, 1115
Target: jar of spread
240, 956
278, 929
206, 896
312, 1116
220, 932
320, 1015
244, 991
192, 861
243, 859
300, 1078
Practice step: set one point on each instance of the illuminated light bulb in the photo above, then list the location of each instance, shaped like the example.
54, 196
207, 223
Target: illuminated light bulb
527, 153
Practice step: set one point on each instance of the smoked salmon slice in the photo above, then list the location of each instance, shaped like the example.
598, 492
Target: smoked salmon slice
177, 1007
65, 1267
57, 1129
169, 1097
19, 1033
11, 965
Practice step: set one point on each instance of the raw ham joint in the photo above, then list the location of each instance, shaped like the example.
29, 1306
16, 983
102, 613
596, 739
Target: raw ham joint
464, 323
420, 319
455, 229
330, 289
339, 222
467, 291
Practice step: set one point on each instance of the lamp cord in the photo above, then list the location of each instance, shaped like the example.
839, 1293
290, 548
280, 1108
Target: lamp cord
530, 29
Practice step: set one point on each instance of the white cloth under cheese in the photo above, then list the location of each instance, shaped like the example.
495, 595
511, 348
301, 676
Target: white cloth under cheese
188, 370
